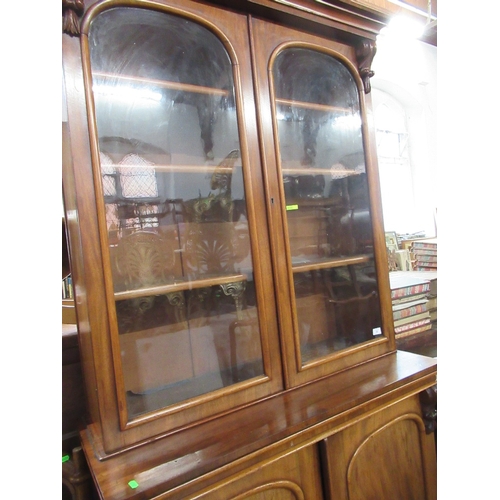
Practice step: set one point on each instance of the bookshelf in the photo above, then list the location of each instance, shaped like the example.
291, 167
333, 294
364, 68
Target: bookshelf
231, 282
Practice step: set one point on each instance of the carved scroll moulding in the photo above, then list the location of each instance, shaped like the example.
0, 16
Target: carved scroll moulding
72, 10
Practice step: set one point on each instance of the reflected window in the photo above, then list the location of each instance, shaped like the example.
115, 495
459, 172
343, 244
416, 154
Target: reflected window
393, 151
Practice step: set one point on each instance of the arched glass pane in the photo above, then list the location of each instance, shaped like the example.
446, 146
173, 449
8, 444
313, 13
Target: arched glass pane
327, 203
176, 215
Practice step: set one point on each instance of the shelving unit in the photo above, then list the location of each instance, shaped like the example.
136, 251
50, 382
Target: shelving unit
234, 308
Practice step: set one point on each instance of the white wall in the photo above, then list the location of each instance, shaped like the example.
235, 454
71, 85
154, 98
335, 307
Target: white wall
407, 70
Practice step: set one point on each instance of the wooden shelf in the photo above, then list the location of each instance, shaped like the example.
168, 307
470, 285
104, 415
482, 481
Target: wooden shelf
193, 169
329, 263
198, 89
179, 286
318, 171
312, 105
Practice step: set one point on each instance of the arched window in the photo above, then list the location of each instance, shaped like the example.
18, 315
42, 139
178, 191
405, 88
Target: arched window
394, 158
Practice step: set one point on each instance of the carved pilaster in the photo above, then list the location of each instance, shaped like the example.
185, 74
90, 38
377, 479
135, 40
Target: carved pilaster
365, 52
72, 10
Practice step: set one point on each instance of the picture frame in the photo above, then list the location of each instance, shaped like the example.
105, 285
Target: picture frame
391, 241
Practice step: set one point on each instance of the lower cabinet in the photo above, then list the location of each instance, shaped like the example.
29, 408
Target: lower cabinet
386, 456
292, 477
364, 434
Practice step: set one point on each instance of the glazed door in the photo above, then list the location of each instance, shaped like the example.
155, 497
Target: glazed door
181, 214
321, 202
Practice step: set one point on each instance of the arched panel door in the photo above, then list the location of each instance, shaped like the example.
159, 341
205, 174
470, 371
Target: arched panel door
387, 455
324, 197
294, 476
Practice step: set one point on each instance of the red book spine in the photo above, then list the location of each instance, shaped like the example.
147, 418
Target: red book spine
410, 290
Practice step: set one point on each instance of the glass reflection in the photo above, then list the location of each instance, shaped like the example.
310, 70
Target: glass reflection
327, 203
174, 194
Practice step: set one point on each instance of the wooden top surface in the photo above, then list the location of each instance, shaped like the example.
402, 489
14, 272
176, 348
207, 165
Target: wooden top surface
242, 438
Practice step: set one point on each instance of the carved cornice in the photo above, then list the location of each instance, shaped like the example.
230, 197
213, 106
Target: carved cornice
72, 10
365, 52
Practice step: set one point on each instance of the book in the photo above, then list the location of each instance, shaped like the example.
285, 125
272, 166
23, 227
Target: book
409, 311
412, 325
428, 244
427, 275
67, 287
410, 290
424, 262
421, 275
404, 301
424, 253
412, 301
404, 284
419, 329
412, 313
412, 318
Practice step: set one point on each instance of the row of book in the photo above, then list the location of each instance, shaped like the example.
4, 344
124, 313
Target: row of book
414, 301
424, 254
67, 287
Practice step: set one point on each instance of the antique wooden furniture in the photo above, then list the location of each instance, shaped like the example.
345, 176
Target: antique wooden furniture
228, 255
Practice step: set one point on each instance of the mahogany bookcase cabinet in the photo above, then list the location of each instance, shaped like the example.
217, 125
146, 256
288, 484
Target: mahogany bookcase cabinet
228, 256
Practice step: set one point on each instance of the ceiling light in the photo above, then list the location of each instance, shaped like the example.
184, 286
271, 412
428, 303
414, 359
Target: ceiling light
404, 27
405, 5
